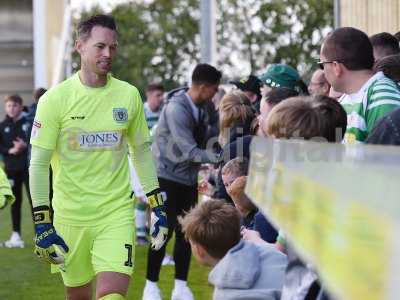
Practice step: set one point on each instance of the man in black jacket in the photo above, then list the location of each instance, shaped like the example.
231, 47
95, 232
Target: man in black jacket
14, 131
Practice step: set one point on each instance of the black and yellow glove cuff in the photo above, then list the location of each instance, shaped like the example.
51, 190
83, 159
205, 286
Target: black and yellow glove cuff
41, 215
155, 198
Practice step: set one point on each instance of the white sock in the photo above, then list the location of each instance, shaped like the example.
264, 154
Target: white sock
180, 284
16, 233
151, 284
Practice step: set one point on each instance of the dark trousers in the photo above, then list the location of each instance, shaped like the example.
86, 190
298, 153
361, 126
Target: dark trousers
180, 199
17, 180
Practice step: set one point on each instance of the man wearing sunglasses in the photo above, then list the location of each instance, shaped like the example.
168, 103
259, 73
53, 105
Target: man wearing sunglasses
347, 59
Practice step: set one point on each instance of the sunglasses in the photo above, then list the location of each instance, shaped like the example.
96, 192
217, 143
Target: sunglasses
322, 63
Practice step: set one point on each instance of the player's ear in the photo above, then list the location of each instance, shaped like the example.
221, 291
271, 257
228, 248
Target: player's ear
78, 46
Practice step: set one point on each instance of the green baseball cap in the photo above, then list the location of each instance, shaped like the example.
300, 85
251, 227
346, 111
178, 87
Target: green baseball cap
281, 75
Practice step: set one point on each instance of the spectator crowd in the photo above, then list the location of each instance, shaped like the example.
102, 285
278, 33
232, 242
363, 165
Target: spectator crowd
201, 137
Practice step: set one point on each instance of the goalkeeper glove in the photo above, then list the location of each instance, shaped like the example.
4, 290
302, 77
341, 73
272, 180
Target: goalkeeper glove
47, 237
159, 225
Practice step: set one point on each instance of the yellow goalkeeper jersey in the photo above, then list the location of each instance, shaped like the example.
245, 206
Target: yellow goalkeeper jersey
90, 131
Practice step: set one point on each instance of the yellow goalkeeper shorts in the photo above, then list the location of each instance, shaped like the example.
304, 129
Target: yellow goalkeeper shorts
95, 249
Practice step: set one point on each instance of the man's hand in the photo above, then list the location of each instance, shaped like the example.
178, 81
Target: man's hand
206, 188
13, 150
47, 237
159, 224
18, 146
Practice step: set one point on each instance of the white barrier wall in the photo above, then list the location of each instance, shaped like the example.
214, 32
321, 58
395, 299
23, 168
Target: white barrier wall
339, 207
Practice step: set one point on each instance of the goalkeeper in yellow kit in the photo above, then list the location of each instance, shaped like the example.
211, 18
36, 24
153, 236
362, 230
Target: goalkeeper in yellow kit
84, 126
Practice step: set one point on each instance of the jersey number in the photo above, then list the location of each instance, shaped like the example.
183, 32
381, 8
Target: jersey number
128, 263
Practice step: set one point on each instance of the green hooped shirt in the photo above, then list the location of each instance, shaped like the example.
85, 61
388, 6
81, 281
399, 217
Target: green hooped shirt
90, 130
379, 96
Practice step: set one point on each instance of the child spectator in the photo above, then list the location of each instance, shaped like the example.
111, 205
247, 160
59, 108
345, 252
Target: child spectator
14, 130
233, 169
316, 118
251, 218
272, 98
236, 115
293, 118
243, 204
241, 269
307, 118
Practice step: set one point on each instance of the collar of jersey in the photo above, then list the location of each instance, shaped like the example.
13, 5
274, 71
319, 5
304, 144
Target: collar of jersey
109, 77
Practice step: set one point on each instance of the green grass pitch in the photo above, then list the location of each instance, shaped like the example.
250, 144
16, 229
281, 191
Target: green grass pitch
24, 277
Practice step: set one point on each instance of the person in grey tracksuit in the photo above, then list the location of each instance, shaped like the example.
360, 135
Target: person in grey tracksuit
179, 148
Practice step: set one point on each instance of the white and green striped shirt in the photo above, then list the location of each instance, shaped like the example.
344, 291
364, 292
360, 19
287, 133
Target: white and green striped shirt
378, 96
151, 116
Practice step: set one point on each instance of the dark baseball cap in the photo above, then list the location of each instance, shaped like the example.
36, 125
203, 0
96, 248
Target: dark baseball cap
250, 83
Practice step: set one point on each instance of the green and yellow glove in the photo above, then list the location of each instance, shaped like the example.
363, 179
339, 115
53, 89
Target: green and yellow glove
159, 224
47, 237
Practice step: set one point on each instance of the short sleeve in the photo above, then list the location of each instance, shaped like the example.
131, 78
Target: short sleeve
384, 97
46, 126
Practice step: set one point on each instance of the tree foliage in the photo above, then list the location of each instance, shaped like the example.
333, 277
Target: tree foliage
273, 31
159, 40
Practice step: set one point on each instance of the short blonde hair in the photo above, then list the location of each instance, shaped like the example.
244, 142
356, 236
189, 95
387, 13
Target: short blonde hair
236, 192
234, 107
293, 118
214, 225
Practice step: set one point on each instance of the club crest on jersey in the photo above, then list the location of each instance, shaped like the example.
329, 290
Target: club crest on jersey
120, 115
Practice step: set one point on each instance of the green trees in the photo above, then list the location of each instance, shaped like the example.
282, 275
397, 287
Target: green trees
159, 40
273, 31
